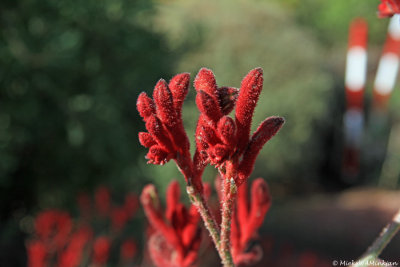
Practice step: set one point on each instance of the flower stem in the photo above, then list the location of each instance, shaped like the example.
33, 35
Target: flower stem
381, 242
227, 210
198, 200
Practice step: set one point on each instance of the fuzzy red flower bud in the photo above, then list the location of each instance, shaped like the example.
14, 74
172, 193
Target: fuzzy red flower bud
219, 153
208, 106
160, 134
247, 100
260, 204
227, 97
267, 129
145, 106
227, 131
205, 81
157, 155
165, 107
146, 140
388, 8
179, 86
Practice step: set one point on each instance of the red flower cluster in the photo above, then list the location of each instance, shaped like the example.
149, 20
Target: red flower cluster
388, 8
60, 241
219, 138
176, 235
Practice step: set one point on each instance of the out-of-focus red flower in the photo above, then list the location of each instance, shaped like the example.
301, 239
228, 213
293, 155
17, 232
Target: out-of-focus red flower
119, 217
73, 253
102, 200
84, 204
388, 8
36, 254
176, 238
101, 250
128, 250
53, 228
131, 204
246, 221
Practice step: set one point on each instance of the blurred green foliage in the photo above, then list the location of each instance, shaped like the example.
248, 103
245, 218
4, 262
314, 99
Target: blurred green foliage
71, 72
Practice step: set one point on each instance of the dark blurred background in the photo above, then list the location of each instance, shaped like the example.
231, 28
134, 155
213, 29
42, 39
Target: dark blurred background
71, 72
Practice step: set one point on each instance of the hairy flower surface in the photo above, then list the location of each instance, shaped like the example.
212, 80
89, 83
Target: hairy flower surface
176, 237
388, 8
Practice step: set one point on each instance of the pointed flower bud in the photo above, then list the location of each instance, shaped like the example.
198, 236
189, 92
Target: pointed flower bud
205, 81
145, 106
179, 86
267, 129
146, 139
247, 100
165, 107
157, 155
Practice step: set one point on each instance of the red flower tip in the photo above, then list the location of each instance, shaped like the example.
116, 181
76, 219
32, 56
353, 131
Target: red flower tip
267, 129
205, 81
179, 86
218, 154
145, 106
247, 100
165, 107
146, 140
37, 252
227, 131
388, 8
208, 106
227, 97
157, 155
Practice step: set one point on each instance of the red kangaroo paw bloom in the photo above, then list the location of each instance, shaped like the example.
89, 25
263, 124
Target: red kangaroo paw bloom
146, 140
165, 107
247, 100
179, 86
176, 237
388, 8
205, 81
267, 129
246, 221
157, 155
145, 105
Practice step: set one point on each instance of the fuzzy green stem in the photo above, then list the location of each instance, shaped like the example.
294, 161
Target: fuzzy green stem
198, 200
381, 242
227, 211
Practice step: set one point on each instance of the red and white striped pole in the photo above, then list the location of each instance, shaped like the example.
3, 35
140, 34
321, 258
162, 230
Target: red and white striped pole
355, 78
388, 66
